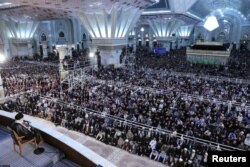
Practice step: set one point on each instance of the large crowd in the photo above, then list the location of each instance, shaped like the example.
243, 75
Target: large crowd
79, 59
146, 111
167, 81
237, 66
22, 76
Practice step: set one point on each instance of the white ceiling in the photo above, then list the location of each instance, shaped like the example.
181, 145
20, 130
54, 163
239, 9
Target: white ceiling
52, 9
55, 9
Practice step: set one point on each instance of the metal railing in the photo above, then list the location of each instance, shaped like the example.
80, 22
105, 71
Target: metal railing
192, 75
163, 91
145, 126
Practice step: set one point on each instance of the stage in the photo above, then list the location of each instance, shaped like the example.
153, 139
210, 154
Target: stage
52, 157
103, 153
208, 53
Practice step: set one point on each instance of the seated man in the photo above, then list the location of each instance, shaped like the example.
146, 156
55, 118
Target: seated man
23, 129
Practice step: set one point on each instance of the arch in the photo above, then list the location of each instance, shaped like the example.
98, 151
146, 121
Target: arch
61, 34
230, 23
43, 37
84, 37
221, 37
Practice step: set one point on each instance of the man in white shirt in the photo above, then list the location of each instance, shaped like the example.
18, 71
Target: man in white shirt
247, 140
153, 143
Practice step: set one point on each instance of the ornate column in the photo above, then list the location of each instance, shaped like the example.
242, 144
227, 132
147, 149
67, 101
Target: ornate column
109, 31
165, 29
45, 50
184, 33
21, 35
2, 95
62, 50
4, 43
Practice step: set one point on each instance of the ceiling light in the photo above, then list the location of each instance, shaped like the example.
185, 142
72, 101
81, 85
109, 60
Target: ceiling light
2, 58
156, 12
211, 23
91, 54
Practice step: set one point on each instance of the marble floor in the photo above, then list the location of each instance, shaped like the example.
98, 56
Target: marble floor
11, 158
117, 156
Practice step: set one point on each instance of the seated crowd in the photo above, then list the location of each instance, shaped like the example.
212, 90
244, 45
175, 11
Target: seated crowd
237, 66
148, 112
167, 81
79, 59
21, 76
155, 143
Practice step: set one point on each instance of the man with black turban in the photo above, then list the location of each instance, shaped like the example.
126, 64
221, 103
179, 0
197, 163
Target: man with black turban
23, 129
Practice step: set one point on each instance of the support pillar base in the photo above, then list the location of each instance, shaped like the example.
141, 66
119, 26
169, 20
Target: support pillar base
110, 51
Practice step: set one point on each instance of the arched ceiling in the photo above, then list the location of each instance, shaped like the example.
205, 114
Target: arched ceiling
52, 9
202, 8
162, 4
190, 11
186, 19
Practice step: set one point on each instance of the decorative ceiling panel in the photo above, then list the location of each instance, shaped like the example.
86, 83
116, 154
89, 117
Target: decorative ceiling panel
181, 6
52, 9
163, 4
204, 7
34, 13
115, 24
86, 5
186, 19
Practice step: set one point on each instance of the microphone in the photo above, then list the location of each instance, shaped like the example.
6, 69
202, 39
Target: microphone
25, 121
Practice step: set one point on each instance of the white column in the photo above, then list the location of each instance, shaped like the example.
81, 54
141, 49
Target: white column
30, 50
45, 50
2, 95
109, 31
110, 50
62, 49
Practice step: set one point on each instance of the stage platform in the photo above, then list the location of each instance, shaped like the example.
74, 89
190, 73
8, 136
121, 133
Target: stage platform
52, 157
208, 53
86, 144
